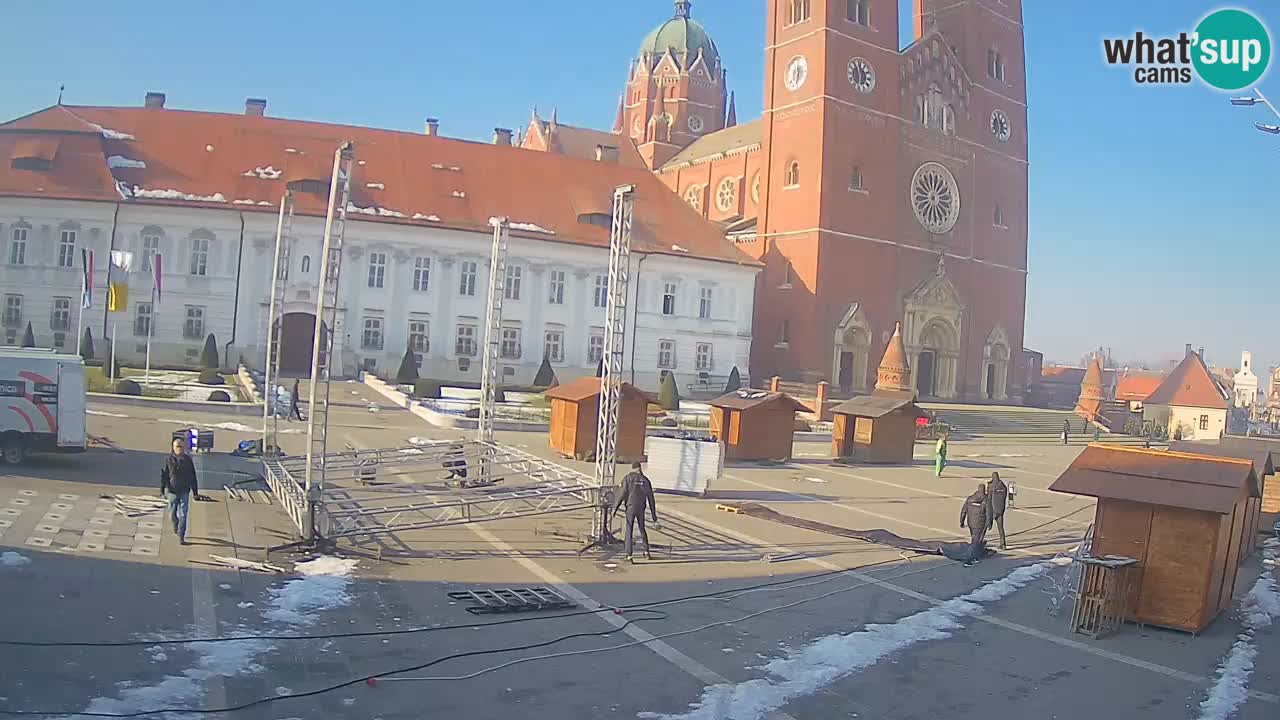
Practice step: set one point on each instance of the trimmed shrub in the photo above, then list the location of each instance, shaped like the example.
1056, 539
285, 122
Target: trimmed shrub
668, 393
408, 372
427, 389
219, 396
29, 337
209, 357
128, 387
735, 380
86, 344
211, 377
546, 377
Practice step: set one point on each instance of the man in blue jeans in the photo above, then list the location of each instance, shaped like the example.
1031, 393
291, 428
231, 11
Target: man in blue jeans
178, 484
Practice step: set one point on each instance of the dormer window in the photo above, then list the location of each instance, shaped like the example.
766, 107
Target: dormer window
35, 154
31, 163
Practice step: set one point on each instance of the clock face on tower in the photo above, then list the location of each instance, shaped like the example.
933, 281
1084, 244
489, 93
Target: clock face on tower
861, 75
797, 73
1000, 125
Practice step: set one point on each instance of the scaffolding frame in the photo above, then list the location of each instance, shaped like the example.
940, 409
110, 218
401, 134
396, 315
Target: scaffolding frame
275, 314
492, 344
606, 460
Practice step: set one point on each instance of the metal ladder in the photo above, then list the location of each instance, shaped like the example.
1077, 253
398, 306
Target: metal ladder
614, 344
275, 323
322, 356
492, 344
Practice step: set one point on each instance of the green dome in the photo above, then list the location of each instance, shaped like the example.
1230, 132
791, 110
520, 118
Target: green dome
681, 35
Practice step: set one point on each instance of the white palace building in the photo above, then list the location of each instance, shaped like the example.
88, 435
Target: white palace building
203, 189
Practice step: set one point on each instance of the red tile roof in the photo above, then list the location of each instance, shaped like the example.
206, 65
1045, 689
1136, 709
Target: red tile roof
243, 162
581, 142
1189, 385
1136, 386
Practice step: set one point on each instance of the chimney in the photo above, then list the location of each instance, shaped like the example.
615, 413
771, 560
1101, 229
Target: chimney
1200, 352
433, 127
256, 107
1189, 349
502, 136
154, 101
606, 153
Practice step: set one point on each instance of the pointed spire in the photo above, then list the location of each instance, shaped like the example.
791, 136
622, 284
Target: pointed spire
555, 117
894, 373
732, 119
1091, 393
619, 121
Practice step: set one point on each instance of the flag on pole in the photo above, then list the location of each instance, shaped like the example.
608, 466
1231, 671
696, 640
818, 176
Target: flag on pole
155, 266
118, 281
86, 287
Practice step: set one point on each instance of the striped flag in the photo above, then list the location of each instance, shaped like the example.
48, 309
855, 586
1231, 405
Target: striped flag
155, 266
86, 288
118, 281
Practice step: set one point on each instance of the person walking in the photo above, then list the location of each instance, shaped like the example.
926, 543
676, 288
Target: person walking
940, 455
295, 409
637, 492
178, 485
1066, 431
998, 498
974, 514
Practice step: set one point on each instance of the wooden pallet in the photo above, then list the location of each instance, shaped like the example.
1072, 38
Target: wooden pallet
1102, 600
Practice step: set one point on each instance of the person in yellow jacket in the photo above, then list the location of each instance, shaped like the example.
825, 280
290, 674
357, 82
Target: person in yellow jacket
940, 455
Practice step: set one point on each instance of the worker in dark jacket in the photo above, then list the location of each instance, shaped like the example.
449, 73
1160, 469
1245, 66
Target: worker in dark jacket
178, 484
455, 462
637, 492
975, 514
1066, 431
998, 498
295, 408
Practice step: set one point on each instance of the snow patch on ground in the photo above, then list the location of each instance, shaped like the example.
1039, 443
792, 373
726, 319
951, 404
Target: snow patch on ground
176, 195
324, 585
822, 662
120, 161
13, 560
103, 413
1259, 608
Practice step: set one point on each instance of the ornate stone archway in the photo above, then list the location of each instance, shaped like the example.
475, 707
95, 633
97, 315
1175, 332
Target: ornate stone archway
932, 329
852, 351
995, 366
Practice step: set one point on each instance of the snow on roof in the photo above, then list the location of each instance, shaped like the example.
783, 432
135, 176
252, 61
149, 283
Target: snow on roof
176, 195
459, 194
122, 187
264, 173
375, 210
428, 218
110, 134
120, 161
375, 186
677, 248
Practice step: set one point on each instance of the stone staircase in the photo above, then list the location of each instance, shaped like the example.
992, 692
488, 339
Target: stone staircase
1019, 424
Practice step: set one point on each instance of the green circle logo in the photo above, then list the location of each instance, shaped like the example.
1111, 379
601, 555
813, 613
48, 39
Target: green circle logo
1232, 49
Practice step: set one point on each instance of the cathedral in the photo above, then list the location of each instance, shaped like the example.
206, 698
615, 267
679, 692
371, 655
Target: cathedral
881, 184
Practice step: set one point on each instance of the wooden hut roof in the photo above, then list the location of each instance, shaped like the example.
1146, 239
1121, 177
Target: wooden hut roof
587, 387
1270, 445
1262, 461
746, 398
1159, 477
876, 406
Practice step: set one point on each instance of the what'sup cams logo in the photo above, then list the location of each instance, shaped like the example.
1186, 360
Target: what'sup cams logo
1229, 50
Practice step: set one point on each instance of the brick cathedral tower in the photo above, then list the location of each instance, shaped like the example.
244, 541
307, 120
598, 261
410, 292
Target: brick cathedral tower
893, 189
675, 89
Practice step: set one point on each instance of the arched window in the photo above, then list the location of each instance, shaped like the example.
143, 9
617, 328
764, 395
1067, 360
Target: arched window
799, 11
855, 178
933, 107
948, 120
919, 115
995, 65
860, 12
793, 174
306, 263
997, 217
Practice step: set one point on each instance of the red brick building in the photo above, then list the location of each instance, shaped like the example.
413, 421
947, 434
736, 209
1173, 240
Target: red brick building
880, 185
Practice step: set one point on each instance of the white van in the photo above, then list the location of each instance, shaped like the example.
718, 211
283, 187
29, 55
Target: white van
42, 403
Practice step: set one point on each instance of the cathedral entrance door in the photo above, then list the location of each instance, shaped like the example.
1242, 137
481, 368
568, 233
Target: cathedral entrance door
924, 374
846, 371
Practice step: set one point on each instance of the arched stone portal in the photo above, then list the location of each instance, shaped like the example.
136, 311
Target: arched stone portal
297, 338
852, 349
995, 366
932, 329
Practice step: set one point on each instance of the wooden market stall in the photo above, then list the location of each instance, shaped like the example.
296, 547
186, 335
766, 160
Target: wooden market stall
755, 424
1263, 467
880, 427
575, 408
1180, 515
1270, 445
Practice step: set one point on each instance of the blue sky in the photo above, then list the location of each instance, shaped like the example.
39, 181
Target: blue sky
1147, 220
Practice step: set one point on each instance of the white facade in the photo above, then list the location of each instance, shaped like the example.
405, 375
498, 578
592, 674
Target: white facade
217, 279
1195, 423
1245, 389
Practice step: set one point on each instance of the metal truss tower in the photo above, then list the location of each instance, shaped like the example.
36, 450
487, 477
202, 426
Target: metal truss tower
492, 345
327, 327
279, 286
614, 345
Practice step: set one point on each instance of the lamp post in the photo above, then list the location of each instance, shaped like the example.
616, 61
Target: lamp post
1256, 99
